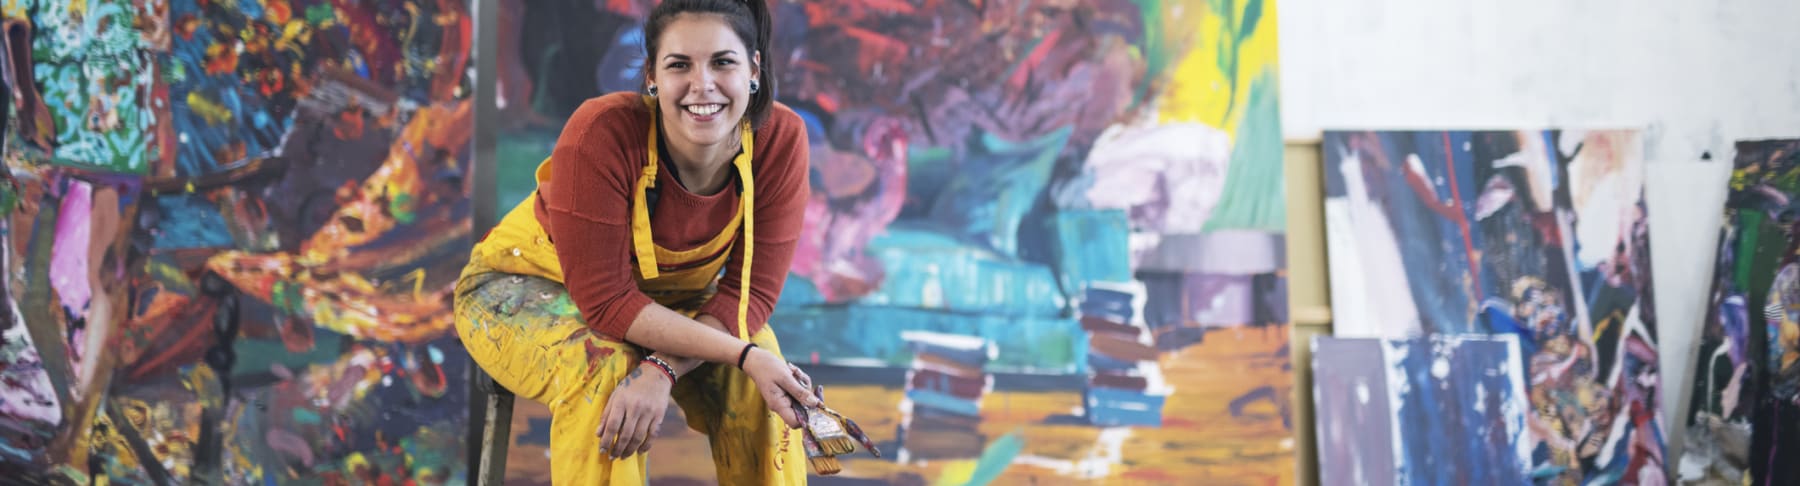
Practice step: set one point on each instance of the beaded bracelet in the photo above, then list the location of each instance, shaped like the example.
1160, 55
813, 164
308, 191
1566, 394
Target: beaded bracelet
664, 365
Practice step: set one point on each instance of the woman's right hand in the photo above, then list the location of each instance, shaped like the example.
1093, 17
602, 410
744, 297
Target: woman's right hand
779, 385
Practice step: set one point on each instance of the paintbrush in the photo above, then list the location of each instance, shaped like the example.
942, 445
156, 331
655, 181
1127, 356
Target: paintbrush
856, 432
833, 439
822, 464
831, 433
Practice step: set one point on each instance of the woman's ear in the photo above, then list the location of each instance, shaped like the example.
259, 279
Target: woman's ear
755, 64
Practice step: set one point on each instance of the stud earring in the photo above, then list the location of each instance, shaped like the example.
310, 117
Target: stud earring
754, 86
652, 90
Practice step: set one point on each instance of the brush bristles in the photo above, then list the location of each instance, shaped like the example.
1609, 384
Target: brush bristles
825, 465
838, 446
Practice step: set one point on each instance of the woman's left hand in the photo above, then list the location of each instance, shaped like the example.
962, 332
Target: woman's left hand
634, 412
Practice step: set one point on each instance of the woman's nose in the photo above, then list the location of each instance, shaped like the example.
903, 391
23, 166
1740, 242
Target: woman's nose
706, 81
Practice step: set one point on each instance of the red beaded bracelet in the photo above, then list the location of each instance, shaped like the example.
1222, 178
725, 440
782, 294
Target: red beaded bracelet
662, 365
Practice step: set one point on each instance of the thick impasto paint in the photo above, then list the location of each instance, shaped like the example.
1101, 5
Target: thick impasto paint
1538, 234
1745, 422
1093, 188
230, 234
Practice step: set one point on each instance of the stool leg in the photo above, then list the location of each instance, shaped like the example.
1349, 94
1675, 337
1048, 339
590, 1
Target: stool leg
478, 411
495, 439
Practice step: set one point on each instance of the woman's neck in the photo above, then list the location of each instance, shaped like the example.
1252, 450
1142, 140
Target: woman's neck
701, 170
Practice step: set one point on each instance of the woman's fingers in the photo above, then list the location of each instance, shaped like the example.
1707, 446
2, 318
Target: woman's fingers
636, 433
655, 427
609, 427
795, 389
782, 406
801, 375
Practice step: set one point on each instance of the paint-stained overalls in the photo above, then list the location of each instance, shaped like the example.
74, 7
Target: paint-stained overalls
518, 322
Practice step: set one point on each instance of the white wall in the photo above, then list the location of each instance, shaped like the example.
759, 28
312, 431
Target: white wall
1695, 75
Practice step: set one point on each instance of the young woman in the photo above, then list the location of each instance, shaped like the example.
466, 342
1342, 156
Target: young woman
601, 294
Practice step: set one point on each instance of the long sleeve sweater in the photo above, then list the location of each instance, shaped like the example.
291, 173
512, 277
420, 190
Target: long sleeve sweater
585, 208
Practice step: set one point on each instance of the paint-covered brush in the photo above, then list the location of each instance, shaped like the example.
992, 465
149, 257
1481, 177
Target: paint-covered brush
859, 435
831, 433
832, 437
822, 464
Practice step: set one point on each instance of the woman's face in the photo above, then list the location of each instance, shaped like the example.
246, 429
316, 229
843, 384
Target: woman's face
702, 76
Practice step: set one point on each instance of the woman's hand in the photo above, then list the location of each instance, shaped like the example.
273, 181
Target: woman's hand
634, 412
779, 383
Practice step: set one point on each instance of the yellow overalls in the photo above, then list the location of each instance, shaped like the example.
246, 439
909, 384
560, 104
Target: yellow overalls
518, 322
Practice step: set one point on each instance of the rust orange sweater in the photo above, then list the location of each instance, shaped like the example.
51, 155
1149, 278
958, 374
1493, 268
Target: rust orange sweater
585, 208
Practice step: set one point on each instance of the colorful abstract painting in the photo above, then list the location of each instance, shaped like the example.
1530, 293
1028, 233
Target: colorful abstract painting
230, 233
1538, 234
1424, 410
1744, 427
1092, 188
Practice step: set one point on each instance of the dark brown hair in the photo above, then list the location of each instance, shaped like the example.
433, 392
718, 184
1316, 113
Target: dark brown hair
748, 18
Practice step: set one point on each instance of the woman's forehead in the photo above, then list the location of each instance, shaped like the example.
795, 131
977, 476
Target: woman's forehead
700, 35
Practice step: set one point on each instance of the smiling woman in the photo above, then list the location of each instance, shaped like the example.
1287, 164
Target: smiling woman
601, 294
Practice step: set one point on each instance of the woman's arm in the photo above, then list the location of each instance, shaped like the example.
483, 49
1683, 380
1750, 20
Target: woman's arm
682, 364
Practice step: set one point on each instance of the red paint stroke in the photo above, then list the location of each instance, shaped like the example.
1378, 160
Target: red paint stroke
1033, 61
278, 11
1170, 422
1152, 475
827, 102
1461, 221
595, 355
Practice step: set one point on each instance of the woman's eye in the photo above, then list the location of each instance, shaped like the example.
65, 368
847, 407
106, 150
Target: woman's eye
724, 62
678, 65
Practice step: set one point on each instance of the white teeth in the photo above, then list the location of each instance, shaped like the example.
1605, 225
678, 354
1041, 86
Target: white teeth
704, 110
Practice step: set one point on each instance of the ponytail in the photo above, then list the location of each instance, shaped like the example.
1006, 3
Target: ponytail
764, 98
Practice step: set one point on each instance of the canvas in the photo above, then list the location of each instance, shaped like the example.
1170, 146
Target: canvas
1351, 412
1091, 188
1423, 410
1539, 234
1746, 394
231, 232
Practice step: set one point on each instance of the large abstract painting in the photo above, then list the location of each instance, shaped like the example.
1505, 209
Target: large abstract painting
1093, 189
1538, 234
230, 232
1744, 427
1423, 410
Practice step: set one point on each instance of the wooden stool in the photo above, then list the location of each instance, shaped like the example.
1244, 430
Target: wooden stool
488, 467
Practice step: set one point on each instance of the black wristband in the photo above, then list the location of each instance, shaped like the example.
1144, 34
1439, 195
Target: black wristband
744, 354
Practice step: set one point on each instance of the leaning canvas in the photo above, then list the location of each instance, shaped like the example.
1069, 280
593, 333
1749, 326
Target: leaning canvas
1423, 410
1744, 424
1541, 234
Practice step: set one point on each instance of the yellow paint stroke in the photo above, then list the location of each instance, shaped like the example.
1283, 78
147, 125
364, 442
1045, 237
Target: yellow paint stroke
211, 111
418, 278
1198, 90
956, 473
13, 9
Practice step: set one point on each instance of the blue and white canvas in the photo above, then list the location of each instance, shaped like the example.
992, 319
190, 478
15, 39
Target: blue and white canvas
1428, 410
